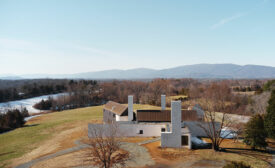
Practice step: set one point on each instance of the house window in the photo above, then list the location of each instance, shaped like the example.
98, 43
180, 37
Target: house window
184, 140
140, 131
162, 129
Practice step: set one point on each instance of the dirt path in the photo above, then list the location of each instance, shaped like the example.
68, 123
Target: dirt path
139, 155
47, 157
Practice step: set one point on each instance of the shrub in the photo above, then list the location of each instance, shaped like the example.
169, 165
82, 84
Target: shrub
269, 86
255, 133
44, 105
270, 116
236, 165
12, 119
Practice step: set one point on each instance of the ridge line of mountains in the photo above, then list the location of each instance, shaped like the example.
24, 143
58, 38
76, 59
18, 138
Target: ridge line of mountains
210, 71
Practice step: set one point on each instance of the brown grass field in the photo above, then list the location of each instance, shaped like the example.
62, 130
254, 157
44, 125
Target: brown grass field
54, 132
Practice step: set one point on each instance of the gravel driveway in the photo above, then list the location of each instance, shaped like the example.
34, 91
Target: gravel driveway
139, 155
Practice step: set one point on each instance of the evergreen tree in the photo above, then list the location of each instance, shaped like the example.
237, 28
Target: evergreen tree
255, 133
270, 116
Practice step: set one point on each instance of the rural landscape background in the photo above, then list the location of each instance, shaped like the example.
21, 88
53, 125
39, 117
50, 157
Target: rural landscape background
62, 63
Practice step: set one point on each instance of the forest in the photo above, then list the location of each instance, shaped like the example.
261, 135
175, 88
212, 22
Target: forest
82, 93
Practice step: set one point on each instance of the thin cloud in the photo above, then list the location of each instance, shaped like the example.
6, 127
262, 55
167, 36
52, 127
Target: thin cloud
226, 20
16, 44
96, 51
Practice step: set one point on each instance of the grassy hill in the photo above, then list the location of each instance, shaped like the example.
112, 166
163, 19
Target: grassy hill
40, 129
56, 131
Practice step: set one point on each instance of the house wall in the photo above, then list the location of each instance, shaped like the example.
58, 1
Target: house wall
108, 116
131, 130
164, 115
121, 118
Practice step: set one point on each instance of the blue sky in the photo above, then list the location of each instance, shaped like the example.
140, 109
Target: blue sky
67, 36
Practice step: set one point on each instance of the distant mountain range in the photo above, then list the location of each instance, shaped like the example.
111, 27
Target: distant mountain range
211, 71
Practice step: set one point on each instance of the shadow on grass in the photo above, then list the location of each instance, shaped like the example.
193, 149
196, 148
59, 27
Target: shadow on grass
6, 153
249, 150
259, 154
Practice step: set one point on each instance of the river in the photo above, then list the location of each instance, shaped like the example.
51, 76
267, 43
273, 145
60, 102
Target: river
28, 103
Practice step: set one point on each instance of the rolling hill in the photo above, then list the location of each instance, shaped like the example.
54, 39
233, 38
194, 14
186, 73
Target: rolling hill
211, 71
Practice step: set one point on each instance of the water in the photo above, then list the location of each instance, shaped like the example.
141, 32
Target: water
28, 103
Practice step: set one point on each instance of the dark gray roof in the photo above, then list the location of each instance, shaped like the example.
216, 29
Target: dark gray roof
195, 127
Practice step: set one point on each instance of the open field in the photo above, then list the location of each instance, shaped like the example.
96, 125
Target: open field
49, 133
170, 98
53, 132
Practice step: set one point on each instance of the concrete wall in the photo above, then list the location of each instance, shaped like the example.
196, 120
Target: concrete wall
173, 139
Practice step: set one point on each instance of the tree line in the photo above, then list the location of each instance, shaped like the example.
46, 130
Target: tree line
82, 93
12, 119
16, 90
21, 89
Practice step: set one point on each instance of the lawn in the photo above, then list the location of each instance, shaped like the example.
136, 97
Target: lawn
22, 140
169, 98
40, 129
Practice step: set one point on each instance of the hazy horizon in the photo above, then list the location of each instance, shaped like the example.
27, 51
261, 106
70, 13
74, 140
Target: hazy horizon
69, 37
19, 74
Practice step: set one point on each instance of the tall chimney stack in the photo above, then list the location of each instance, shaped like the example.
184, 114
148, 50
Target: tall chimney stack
163, 102
130, 108
176, 116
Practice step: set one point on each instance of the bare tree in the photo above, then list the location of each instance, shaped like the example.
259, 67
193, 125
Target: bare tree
105, 146
217, 106
259, 103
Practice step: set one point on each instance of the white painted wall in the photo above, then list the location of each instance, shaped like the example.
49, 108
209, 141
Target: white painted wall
121, 118
149, 130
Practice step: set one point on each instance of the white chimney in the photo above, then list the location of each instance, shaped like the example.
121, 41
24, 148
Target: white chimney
163, 102
176, 117
130, 108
